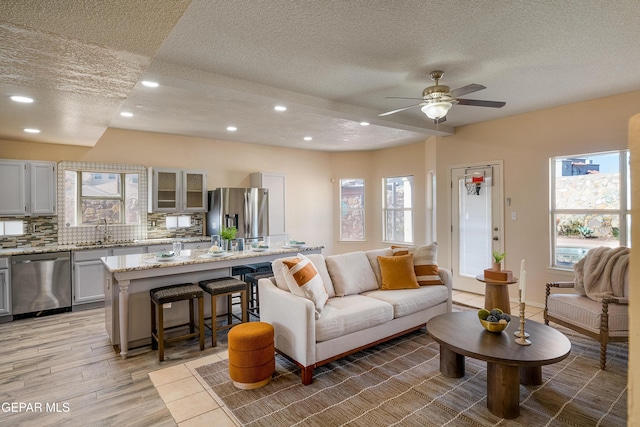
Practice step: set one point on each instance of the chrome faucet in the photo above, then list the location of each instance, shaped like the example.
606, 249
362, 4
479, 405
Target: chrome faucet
105, 231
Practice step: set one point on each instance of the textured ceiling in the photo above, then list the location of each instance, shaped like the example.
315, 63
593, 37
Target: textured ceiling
331, 62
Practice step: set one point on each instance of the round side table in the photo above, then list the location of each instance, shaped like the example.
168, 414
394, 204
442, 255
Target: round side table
496, 293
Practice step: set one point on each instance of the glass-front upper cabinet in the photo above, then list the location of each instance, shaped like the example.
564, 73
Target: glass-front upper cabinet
176, 190
194, 191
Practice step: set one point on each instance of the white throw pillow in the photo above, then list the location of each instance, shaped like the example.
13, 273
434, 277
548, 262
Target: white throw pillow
351, 273
424, 262
304, 280
372, 256
320, 265
279, 270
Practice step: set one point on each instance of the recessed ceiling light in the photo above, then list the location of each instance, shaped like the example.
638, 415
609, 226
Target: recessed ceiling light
364, 123
23, 99
307, 138
232, 128
149, 83
32, 130
280, 108
126, 114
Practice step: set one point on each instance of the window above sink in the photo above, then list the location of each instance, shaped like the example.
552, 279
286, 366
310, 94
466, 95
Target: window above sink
90, 193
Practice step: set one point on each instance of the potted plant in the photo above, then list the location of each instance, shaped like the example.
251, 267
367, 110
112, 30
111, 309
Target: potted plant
497, 260
226, 235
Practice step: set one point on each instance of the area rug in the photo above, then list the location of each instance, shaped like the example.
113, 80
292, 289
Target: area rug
399, 383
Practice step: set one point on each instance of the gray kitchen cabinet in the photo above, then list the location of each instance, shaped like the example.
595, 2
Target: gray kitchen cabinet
33, 189
177, 191
89, 276
275, 183
128, 250
5, 288
197, 245
157, 248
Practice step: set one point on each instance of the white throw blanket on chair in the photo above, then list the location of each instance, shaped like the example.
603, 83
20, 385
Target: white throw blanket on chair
602, 273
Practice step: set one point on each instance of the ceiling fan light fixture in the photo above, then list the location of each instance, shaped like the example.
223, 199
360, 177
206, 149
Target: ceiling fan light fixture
437, 110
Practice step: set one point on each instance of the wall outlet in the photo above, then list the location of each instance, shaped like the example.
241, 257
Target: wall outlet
514, 216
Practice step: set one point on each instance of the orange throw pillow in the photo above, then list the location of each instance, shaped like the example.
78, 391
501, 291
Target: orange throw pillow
397, 272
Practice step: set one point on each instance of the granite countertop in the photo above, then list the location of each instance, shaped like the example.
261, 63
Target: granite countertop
23, 250
135, 262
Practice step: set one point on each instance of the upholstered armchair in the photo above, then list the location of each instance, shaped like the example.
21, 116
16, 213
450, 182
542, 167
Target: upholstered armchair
606, 320
599, 305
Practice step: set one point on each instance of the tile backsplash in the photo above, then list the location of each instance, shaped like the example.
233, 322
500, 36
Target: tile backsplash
43, 230
39, 231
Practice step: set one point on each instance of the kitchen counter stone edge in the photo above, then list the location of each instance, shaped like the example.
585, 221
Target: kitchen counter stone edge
137, 262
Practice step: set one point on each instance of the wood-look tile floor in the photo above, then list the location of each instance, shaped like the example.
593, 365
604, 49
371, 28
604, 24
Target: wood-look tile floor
62, 370
66, 361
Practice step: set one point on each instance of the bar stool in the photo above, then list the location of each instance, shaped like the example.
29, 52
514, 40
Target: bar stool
252, 282
224, 286
173, 293
241, 270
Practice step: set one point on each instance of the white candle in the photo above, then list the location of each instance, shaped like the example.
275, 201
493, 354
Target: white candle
523, 280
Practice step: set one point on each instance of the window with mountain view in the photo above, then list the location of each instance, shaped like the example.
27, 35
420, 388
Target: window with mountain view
590, 204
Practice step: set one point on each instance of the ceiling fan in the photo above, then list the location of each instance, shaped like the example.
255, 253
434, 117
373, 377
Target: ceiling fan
438, 99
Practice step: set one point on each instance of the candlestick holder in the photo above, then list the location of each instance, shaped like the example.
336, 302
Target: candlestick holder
522, 335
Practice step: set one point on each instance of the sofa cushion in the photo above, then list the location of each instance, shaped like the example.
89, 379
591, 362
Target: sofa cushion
280, 272
424, 261
306, 282
351, 273
372, 256
342, 316
408, 301
397, 272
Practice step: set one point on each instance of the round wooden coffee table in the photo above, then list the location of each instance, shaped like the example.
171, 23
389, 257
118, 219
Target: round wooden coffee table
508, 364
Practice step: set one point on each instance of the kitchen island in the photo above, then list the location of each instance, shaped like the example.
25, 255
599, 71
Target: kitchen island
130, 277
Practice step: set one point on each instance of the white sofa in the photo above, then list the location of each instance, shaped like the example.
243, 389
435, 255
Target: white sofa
357, 314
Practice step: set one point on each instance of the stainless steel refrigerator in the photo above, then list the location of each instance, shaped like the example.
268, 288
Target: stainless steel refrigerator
247, 209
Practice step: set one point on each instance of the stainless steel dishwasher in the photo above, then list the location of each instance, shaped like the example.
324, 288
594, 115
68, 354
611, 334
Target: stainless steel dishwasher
40, 283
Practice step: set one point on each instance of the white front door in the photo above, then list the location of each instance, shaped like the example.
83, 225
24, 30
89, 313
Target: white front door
477, 222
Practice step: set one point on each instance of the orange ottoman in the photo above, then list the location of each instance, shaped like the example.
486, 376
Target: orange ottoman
252, 359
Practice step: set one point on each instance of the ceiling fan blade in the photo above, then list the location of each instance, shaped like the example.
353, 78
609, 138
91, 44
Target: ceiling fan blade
401, 97
481, 103
461, 91
399, 109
